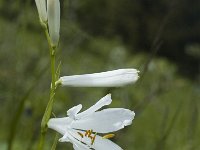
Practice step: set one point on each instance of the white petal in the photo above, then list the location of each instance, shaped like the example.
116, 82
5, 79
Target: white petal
104, 144
106, 100
42, 9
115, 78
80, 147
105, 121
76, 147
60, 125
65, 138
73, 137
73, 111
53, 11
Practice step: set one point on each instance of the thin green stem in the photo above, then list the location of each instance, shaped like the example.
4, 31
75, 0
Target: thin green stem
55, 142
49, 107
20, 109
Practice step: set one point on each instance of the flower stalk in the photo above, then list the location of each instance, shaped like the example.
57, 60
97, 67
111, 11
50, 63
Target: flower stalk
49, 107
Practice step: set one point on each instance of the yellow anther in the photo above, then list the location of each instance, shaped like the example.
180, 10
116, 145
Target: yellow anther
108, 136
80, 134
87, 132
90, 132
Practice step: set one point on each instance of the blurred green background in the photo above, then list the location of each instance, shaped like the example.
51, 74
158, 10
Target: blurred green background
160, 38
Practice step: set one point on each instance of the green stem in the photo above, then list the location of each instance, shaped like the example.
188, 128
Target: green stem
20, 109
55, 142
49, 107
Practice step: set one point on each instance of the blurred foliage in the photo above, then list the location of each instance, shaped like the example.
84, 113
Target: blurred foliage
145, 24
98, 36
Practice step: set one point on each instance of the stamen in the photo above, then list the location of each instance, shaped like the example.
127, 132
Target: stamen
93, 138
90, 132
108, 136
80, 134
87, 132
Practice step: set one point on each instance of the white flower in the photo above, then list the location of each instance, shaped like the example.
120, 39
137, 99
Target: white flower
81, 129
115, 78
53, 12
42, 9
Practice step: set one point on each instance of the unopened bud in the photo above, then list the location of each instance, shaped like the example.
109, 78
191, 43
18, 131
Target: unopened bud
53, 12
42, 9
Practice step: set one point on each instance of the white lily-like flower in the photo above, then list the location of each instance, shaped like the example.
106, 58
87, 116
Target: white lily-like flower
42, 9
53, 13
81, 129
115, 78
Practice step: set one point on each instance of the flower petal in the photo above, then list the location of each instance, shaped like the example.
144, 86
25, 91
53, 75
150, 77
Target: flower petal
53, 12
60, 125
42, 9
73, 137
104, 144
72, 112
115, 78
65, 138
107, 120
80, 147
106, 100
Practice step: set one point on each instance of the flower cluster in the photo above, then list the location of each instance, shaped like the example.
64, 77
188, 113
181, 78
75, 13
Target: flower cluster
83, 129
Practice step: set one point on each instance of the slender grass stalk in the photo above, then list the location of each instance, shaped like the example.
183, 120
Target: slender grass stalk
55, 142
162, 141
49, 107
16, 117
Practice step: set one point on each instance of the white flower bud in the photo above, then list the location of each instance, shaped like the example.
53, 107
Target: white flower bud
42, 9
53, 12
115, 78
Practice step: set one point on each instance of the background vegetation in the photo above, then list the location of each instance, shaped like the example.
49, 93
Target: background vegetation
160, 38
